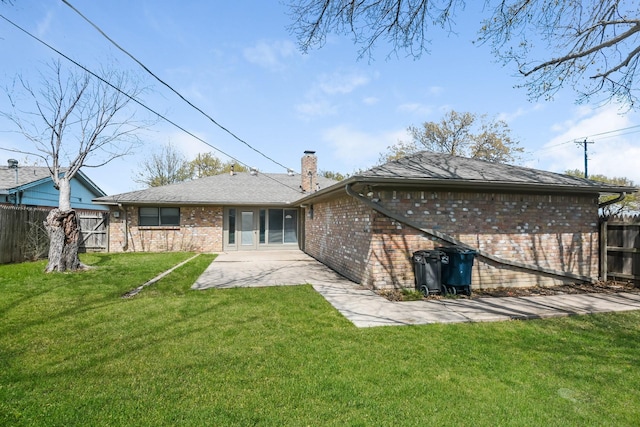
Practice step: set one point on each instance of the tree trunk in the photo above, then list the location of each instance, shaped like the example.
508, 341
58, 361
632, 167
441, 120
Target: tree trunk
64, 239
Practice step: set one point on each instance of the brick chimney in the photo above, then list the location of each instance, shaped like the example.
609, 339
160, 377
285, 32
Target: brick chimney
309, 172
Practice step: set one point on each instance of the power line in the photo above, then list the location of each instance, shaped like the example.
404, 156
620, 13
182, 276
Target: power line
134, 99
577, 140
620, 134
613, 131
171, 88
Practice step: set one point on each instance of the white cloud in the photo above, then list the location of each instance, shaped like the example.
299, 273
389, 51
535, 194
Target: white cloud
370, 100
510, 116
270, 55
342, 83
44, 24
357, 149
317, 108
435, 90
580, 113
611, 154
319, 97
416, 109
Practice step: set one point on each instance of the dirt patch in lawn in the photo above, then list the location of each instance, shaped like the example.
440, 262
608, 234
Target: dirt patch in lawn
609, 287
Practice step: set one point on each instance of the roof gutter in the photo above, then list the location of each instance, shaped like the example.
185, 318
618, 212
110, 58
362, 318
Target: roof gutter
447, 238
463, 185
459, 184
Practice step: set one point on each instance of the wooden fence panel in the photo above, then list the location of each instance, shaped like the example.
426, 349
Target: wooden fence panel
23, 236
620, 239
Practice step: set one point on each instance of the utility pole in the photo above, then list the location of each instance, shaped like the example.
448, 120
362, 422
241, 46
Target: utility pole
586, 157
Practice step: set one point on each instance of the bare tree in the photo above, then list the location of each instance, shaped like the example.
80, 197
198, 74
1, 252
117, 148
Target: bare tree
74, 120
460, 134
166, 166
592, 46
169, 165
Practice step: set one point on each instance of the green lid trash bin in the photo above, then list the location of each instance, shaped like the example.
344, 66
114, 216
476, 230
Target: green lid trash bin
427, 267
456, 275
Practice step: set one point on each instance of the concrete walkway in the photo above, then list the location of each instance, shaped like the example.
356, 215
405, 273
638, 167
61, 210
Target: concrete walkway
364, 308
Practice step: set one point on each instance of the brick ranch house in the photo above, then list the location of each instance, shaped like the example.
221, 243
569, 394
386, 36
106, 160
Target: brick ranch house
529, 227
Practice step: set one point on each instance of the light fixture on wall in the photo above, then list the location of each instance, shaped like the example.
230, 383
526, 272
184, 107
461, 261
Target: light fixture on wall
368, 191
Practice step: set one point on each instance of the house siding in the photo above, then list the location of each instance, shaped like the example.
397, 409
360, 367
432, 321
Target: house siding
200, 230
553, 231
46, 195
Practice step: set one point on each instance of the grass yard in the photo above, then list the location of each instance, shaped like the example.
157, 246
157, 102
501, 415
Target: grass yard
74, 353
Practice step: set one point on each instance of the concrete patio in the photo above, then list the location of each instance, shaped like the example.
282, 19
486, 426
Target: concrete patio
364, 308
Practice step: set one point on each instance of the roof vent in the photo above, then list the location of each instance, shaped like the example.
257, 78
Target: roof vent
253, 171
290, 172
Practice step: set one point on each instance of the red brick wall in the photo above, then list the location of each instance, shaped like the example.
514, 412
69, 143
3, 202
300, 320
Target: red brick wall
339, 234
200, 230
556, 232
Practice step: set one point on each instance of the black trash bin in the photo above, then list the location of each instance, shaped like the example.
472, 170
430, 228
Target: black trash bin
456, 275
427, 267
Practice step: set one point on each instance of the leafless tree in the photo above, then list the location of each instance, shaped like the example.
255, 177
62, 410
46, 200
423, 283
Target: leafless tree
165, 166
592, 46
169, 166
73, 120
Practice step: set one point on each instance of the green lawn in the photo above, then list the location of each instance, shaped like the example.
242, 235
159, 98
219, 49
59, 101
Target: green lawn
74, 353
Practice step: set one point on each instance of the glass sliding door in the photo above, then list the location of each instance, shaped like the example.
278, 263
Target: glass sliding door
283, 226
260, 228
247, 231
275, 226
290, 226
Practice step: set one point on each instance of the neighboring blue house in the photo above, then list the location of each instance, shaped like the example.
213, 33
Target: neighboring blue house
32, 186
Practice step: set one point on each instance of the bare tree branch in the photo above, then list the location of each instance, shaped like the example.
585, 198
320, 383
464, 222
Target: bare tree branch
71, 118
591, 46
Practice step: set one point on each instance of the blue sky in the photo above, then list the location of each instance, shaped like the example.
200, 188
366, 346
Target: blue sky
238, 62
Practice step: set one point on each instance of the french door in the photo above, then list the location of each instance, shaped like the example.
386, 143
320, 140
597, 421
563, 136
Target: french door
247, 228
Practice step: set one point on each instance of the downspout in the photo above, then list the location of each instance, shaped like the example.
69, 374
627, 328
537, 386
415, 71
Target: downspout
620, 198
454, 241
125, 243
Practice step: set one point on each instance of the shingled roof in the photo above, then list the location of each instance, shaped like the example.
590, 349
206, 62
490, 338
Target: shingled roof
438, 170
242, 188
25, 175
426, 169
30, 176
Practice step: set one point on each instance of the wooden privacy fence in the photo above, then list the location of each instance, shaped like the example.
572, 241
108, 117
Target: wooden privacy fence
620, 248
23, 236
